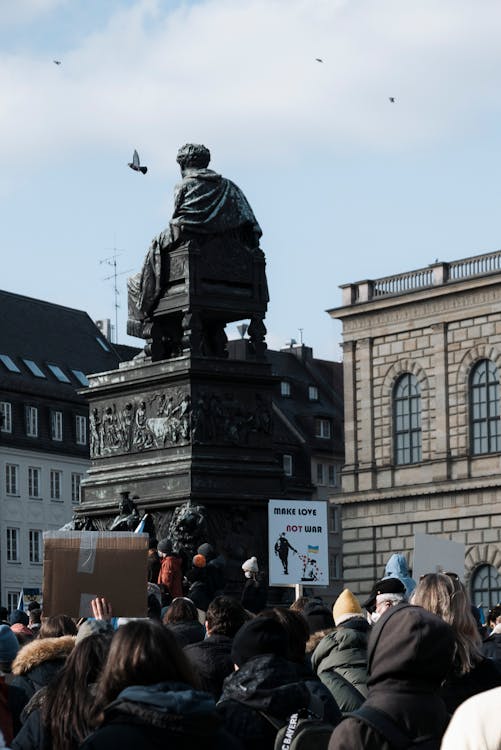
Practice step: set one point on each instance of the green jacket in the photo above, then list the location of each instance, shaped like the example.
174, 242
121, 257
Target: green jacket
340, 661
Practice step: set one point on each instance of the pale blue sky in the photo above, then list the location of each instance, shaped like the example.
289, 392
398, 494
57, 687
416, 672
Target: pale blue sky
345, 184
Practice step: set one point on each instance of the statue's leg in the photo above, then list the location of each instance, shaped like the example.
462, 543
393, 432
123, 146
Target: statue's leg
257, 333
192, 337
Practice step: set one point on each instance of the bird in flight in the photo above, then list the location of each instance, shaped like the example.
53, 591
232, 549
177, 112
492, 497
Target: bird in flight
57, 62
318, 59
392, 99
135, 164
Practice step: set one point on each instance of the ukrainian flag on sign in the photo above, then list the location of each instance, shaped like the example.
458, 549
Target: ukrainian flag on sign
312, 549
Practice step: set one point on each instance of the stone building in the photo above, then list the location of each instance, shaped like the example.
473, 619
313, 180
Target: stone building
422, 365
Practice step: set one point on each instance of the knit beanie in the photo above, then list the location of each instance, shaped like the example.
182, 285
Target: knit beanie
250, 565
18, 616
8, 644
345, 607
258, 636
207, 550
165, 546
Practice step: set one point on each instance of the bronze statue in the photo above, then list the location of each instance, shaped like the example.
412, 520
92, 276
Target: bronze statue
214, 223
128, 515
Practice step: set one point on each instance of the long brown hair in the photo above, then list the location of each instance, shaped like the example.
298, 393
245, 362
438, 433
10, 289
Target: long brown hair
56, 626
445, 596
142, 652
66, 710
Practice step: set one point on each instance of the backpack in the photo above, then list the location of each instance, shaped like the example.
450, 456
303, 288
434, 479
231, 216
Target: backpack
395, 735
305, 730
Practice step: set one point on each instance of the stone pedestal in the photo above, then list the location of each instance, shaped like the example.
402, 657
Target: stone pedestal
188, 429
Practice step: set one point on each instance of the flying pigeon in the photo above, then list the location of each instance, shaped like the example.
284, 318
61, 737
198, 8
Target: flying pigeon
135, 165
57, 62
392, 99
318, 59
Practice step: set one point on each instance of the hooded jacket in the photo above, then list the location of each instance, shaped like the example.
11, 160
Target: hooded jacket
211, 659
397, 567
268, 684
340, 660
169, 714
410, 653
38, 662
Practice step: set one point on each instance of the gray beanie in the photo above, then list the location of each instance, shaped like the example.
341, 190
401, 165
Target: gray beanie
9, 645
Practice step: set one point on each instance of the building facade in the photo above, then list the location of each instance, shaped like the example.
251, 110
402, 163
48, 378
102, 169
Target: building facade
46, 353
422, 367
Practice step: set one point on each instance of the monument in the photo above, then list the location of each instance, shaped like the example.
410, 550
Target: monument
183, 425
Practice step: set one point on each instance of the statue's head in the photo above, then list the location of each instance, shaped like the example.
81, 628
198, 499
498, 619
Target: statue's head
193, 155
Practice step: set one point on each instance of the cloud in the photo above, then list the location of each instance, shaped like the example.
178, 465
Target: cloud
243, 78
15, 12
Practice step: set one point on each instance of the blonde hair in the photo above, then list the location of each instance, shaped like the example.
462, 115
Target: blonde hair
444, 595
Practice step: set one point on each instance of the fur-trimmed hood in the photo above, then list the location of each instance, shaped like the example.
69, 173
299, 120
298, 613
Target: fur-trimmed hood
41, 650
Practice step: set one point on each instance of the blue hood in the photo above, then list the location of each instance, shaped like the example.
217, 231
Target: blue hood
397, 567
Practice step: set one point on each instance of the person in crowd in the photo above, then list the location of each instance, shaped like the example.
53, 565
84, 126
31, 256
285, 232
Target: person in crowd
397, 567
11, 697
58, 716
491, 647
475, 725
255, 591
146, 696
4, 616
386, 593
170, 578
297, 635
199, 591
182, 620
211, 658
35, 618
57, 626
266, 687
23, 634
320, 622
19, 616
409, 655
153, 562
444, 595
39, 661
340, 659
215, 569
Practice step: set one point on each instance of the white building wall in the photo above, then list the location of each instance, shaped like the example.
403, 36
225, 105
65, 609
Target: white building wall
23, 513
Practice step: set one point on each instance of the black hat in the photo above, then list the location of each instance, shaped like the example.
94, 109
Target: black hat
318, 616
384, 586
261, 635
18, 616
165, 546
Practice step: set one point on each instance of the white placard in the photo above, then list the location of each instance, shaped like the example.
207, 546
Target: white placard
298, 542
434, 554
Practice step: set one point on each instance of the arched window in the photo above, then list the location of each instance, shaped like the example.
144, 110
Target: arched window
484, 408
486, 587
407, 420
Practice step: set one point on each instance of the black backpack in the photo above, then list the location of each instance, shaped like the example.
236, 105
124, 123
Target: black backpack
304, 730
395, 735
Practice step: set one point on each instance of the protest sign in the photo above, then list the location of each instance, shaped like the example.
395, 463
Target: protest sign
298, 543
435, 554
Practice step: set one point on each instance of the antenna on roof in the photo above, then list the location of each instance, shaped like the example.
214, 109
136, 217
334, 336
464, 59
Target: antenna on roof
301, 335
112, 261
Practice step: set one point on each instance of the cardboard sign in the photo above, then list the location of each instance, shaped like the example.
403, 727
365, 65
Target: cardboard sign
298, 542
80, 565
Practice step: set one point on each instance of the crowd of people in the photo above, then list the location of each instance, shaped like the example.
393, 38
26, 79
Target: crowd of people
410, 666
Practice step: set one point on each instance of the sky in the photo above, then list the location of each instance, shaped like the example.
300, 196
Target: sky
345, 184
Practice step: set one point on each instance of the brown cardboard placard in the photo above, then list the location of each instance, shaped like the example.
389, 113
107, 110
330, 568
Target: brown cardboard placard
79, 565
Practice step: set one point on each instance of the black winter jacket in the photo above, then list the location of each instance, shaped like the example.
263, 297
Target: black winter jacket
38, 662
458, 688
168, 715
410, 652
187, 632
340, 660
491, 647
274, 686
212, 662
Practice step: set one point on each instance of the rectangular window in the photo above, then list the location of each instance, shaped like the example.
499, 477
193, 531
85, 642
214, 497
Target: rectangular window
322, 428
12, 545
5, 416
11, 479
287, 464
313, 393
35, 540
320, 474
285, 388
34, 476
332, 475
12, 600
56, 479
56, 425
32, 421
333, 519
335, 565
76, 480
81, 430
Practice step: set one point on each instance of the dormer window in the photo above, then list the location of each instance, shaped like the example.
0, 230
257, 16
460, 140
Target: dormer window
285, 389
312, 393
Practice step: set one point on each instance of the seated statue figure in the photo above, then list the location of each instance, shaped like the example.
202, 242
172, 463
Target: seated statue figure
206, 206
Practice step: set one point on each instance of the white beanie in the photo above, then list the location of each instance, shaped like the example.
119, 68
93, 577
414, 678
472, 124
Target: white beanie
251, 565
